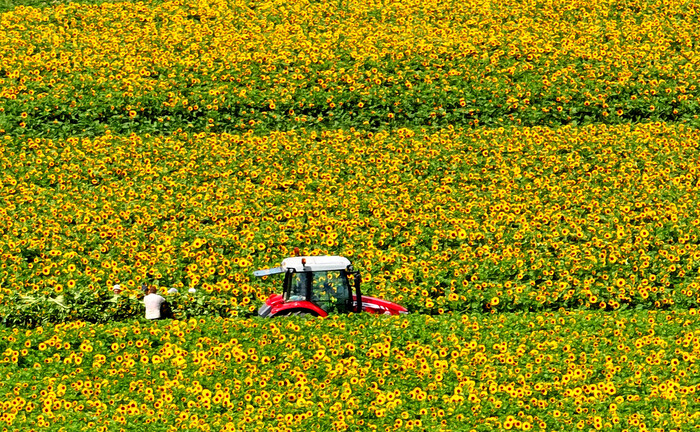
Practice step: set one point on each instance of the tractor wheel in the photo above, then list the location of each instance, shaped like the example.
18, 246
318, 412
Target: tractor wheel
300, 313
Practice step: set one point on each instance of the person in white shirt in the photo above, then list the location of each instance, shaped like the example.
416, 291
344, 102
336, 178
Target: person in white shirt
153, 303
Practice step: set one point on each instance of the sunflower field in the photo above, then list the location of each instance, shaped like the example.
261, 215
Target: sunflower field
522, 371
523, 176
513, 219
77, 69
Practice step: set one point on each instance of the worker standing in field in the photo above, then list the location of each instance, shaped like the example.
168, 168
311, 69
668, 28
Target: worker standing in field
116, 292
153, 303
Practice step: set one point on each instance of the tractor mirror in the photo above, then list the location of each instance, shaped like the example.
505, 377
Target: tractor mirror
268, 272
357, 281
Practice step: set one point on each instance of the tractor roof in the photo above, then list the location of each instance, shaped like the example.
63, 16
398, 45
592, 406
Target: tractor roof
306, 264
315, 263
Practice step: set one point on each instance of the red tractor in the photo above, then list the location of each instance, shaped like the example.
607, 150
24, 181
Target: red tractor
319, 285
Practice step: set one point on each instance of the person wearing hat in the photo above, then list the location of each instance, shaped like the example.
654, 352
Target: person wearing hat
111, 303
116, 290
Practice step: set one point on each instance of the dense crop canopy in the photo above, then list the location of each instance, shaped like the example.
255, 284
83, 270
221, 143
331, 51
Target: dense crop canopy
521, 175
511, 219
611, 371
78, 69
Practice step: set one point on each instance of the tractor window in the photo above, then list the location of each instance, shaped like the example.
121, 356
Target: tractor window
297, 290
330, 290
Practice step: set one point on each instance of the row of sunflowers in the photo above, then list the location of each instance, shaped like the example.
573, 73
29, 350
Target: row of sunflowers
80, 68
480, 220
522, 371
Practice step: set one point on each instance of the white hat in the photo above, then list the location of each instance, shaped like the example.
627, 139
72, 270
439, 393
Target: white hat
192, 290
116, 287
172, 290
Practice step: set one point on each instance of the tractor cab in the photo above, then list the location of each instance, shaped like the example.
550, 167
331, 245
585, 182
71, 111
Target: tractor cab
319, 285
324, 281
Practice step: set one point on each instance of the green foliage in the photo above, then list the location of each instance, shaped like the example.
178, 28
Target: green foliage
88, 305
9, 5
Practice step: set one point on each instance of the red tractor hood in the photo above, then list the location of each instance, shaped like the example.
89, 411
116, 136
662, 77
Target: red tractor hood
275, 305
378, 306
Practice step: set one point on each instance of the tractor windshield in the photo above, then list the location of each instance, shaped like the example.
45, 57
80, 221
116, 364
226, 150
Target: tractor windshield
329, 289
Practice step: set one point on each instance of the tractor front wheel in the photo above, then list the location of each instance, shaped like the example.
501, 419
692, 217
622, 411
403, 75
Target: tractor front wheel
300, 313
